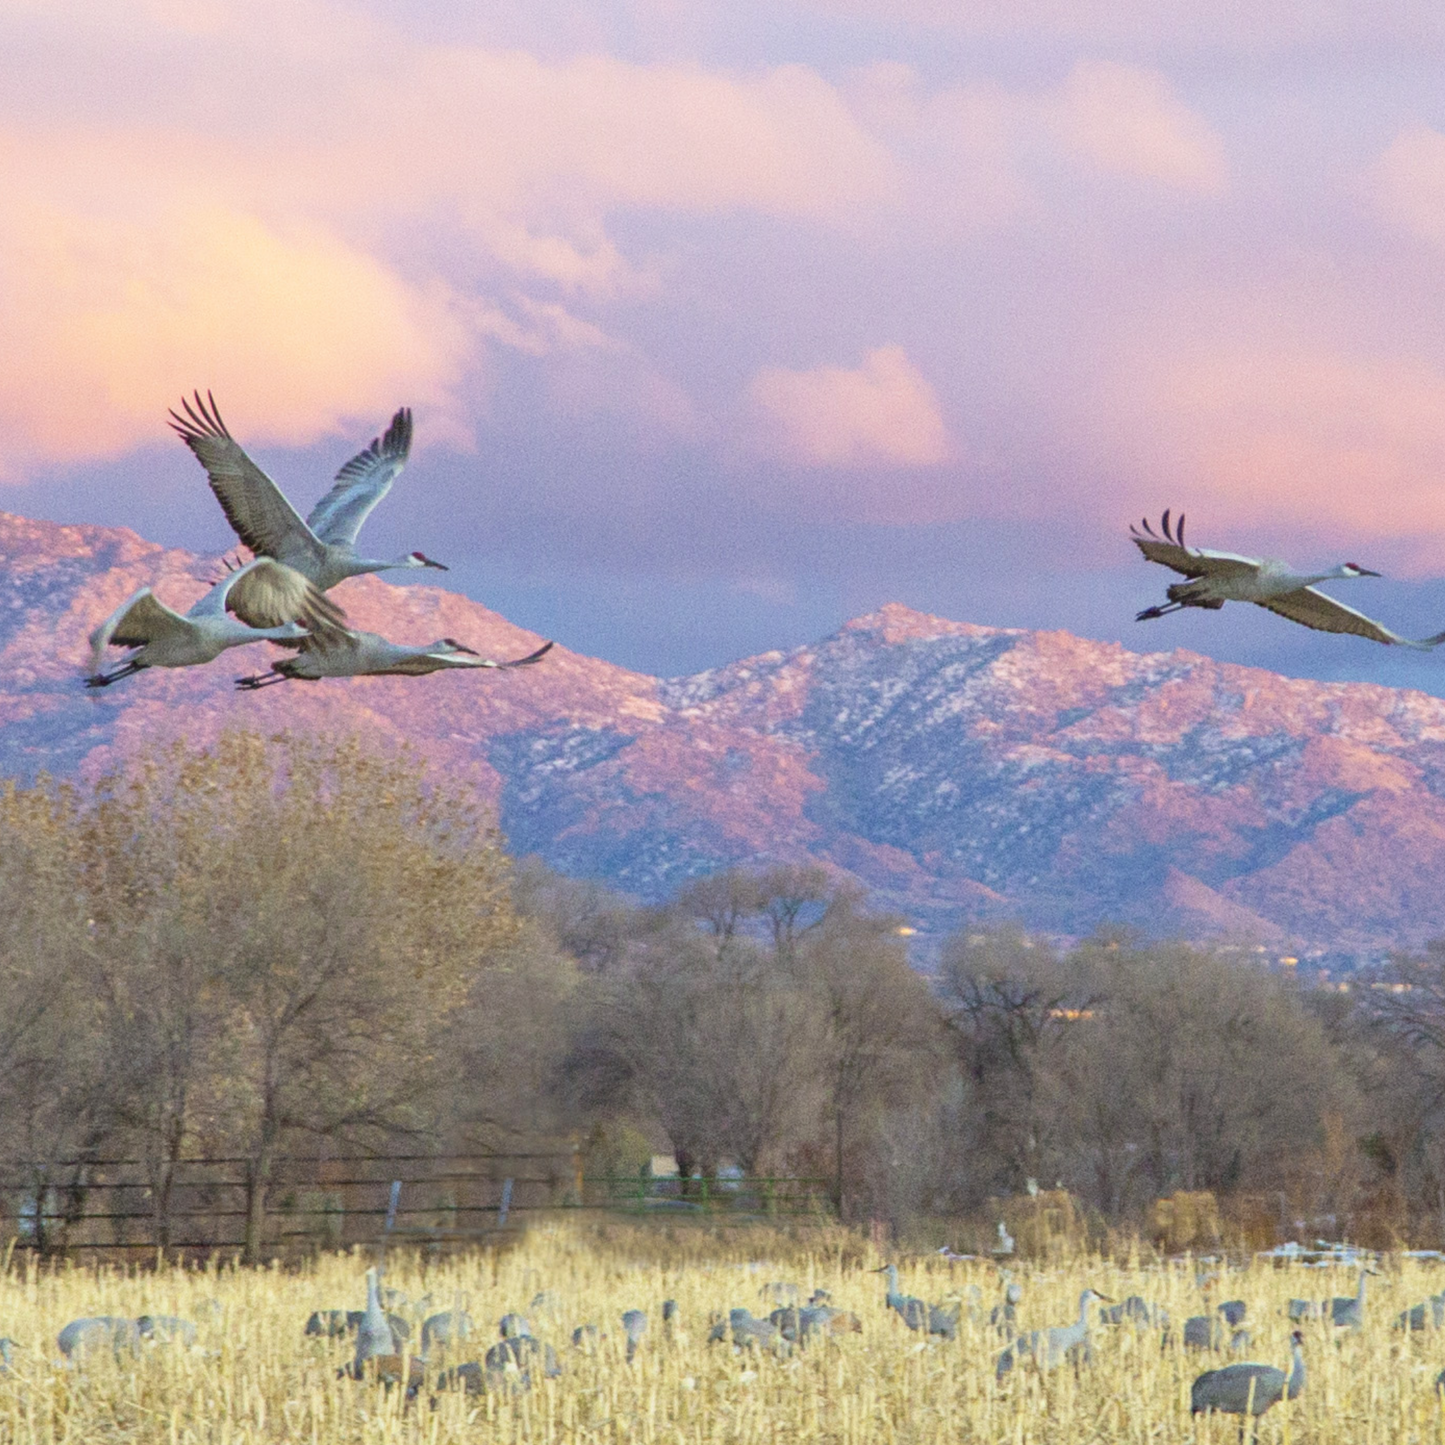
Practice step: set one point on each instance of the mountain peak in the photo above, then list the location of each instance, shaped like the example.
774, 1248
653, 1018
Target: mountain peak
894, 622
992, 773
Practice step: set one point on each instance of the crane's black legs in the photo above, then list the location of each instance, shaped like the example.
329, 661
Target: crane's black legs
104, 679
1158, 611
258, 680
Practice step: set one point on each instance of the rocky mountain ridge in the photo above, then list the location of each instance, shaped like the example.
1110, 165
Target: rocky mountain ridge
960, 772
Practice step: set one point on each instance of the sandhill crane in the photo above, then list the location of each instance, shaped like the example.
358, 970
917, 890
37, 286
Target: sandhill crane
797, 1324
634, 1326
746, 1331
445, 1328
81, 1336
1136, 1310
909, 1308
1348, 1311
373, 1337
1425, 1316
1248, 1389
1050, 1347
268, 599
1219, 577
323, 547
1003, 1316
364, 654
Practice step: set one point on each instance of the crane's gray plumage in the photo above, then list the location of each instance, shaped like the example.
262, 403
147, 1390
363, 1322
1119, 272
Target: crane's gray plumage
933, 1319
1429, 1315
634, 1326
1248, 1388
322, 548
364, 654
1136, 1310
1049, 1348
271, 602
373, 1336
1219, 577
1004, 1315
746, 1331
81, 1336
1348, 1311
445, 1329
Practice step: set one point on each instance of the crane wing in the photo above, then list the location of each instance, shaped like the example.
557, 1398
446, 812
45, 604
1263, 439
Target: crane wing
1194, 561
452, 659
1315, 609
138, 620
254, 505
362, 483
267, 593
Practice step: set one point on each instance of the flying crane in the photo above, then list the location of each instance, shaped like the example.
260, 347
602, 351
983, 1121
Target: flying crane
1219, 577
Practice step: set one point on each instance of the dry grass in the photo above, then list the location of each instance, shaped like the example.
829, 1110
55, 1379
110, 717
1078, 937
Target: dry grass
253, 1377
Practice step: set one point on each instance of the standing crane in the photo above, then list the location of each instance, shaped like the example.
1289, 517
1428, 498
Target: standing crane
323, 547
1249, 1389
364, 654
1052, 1346
374, 1338
1219, 577
268, 599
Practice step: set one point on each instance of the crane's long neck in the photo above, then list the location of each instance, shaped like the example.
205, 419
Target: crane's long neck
1360, 1292
1296, 1381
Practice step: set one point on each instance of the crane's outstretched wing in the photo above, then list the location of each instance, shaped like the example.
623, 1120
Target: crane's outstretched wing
254, 505
1314, 609
138, 620
1170, 551
452, 659
362, 483
267, 593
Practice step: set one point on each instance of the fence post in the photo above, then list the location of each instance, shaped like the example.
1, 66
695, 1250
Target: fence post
506, 1204
390, 1222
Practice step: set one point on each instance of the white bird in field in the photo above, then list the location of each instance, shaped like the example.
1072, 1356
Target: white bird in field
1219, 577
323, 547
271, 603
364, 654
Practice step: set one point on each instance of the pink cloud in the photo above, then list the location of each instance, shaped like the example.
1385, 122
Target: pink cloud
1128, 121
1409, 182
109, 320
882, 413
1284, 435
242, 222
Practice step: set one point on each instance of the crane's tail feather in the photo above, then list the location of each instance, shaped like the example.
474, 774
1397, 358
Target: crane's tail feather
531, 657
1424, 644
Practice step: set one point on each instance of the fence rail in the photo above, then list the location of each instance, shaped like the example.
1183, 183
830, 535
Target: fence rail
99, 1207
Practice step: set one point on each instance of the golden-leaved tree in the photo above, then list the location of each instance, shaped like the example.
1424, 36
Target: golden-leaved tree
274, 934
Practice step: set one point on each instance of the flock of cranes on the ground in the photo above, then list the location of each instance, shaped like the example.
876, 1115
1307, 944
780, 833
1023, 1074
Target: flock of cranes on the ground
280, 594
383, 1336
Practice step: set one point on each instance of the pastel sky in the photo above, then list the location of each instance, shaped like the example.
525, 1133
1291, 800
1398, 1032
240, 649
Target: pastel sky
725, 322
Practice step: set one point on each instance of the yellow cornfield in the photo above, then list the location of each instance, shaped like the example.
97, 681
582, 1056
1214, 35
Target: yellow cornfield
252, 1375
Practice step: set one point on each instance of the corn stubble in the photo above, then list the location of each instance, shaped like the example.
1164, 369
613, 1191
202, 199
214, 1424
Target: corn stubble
252, 1376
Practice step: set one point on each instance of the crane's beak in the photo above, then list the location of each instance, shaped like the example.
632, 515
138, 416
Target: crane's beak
470, 651
1366, 572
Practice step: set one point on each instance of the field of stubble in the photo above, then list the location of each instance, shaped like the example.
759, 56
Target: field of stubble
253, 1376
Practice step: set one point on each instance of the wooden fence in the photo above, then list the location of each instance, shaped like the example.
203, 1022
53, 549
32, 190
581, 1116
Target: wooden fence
112, 1207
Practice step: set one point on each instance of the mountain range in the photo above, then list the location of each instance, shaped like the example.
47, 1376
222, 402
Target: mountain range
960, 772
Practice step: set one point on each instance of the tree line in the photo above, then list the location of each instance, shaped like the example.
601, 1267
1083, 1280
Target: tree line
246, 949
